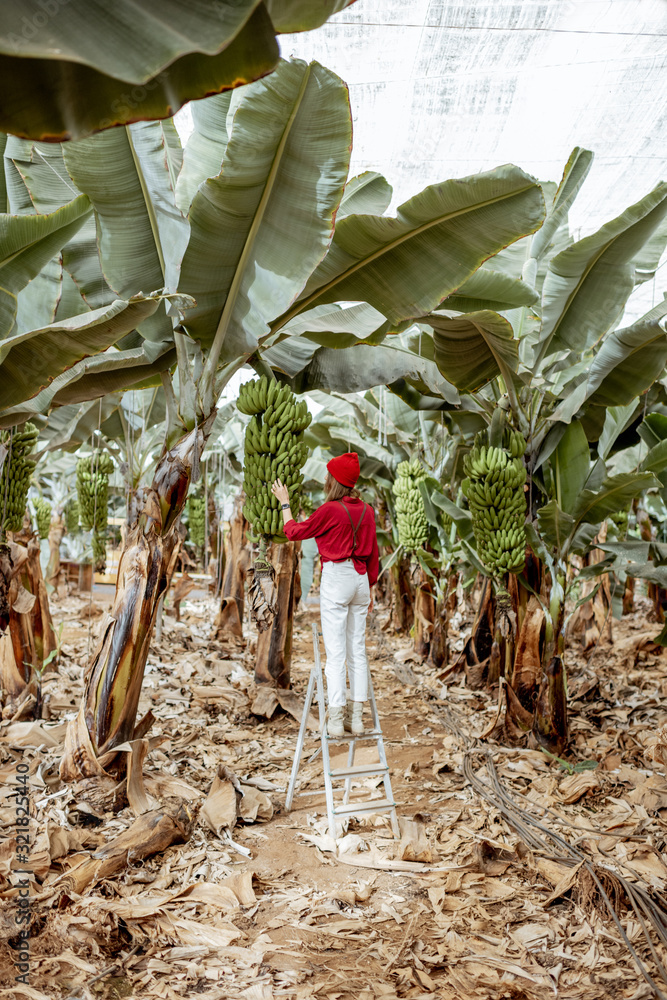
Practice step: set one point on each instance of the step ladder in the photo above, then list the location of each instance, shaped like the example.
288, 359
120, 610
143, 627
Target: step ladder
336, 810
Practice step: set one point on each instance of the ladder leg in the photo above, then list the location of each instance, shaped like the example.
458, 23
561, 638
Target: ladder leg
302, 735
374, 709
383, 758
326, 762
318, 672
348, 781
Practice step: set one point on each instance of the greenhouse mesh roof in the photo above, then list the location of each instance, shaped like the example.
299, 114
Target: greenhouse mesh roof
443, 90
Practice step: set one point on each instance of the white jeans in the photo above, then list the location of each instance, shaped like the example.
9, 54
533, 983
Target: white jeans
344, 599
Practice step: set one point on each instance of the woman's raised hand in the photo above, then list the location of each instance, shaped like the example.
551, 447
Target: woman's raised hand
280, 491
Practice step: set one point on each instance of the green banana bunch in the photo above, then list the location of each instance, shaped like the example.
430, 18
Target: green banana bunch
92, 484
497, 501
16, 474
410, 515
274, 449
196, 520
620, 519
72, 517
42, 516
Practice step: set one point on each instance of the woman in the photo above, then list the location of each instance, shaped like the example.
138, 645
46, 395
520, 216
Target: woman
344, 528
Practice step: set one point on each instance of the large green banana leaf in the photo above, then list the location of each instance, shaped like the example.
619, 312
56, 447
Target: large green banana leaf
570, 461
92, 66
3, 184
30, 361
588, 284
471, 350
575, 173
205, 149
615, 494
129, 174
337, 326
488, 289
405, 266
28, 243
355, 369
366, 194
302, 15
262, 225
111, 371
42, 169
627, 363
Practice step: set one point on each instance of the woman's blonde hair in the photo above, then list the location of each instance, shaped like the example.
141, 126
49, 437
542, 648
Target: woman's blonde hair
333, 490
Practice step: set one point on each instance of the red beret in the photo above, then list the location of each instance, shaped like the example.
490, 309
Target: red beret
345, 468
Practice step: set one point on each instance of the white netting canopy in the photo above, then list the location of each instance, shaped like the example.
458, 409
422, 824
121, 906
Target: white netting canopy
446, 89
443, 89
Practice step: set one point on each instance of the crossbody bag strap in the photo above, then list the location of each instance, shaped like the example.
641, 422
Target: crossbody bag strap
355, 528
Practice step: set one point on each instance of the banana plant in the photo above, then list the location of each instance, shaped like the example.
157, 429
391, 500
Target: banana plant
570, 381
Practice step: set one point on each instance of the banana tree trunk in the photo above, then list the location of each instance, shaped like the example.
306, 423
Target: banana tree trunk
18, 658
424, 613
232, 602
535, 691
56, 532
273, 659
403, 597
42, 623
445, 606
107, 716
629, 596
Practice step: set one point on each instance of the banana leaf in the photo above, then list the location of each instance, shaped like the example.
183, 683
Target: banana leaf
29, 242
471, 350
588, 284
302, 15
30, 361
571, 464
366, 194
91, 378
626, 364
575, 173
129, 175
205, 149
67, 70
262, 225
555, 525
405, 266
615, 494
487, 289
355, 369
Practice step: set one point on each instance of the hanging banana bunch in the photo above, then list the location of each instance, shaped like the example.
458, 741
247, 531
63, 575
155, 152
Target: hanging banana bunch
92, 483
42, 516
497, 501
274, 449
16, 474
196, 520
410, 516
72, 517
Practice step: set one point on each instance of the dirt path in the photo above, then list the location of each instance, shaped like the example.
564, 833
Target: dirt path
480, 915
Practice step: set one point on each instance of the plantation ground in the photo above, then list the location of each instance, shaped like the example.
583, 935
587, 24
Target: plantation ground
461, 908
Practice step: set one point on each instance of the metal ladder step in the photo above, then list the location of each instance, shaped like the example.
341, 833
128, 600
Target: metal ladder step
359, 771
367, 806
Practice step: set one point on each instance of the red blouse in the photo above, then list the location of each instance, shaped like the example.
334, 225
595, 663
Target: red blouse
331, 528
